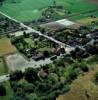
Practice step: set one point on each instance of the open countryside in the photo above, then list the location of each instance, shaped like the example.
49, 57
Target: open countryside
48, 50
32, 10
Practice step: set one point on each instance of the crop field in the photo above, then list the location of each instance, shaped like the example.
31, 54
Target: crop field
6, 47
25, 10
28, 10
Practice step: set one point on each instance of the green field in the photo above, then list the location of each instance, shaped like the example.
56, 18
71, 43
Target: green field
27, 10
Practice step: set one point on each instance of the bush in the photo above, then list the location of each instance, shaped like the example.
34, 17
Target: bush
72, 75
96, 78
15, 76
84, 67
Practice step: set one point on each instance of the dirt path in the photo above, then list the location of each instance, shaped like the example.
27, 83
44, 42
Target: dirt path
82, 86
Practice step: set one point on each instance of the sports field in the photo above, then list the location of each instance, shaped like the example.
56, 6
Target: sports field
28, 10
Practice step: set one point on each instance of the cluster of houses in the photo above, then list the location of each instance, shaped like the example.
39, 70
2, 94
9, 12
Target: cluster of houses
84, 40
88, 46
34, 52
55, 51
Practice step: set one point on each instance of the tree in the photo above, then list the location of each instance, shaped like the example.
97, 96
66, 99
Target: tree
15, 76
72, 75
46, 54
28, 88
16, 86
53, 78
2, 90
31, 75
84, 67
96, 77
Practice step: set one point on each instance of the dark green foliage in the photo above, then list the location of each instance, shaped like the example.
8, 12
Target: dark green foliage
96, 78
15, 76
31, 75
73, 75
84, 67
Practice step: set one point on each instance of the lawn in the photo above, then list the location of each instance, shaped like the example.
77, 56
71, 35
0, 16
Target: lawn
6, 47
28, 10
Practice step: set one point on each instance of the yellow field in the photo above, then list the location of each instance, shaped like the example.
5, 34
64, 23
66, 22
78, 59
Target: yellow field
81, 86
6, 47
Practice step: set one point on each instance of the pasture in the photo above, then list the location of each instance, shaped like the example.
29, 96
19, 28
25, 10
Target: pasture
28, 10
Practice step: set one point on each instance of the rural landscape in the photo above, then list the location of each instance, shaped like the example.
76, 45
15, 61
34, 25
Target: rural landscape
48, 49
